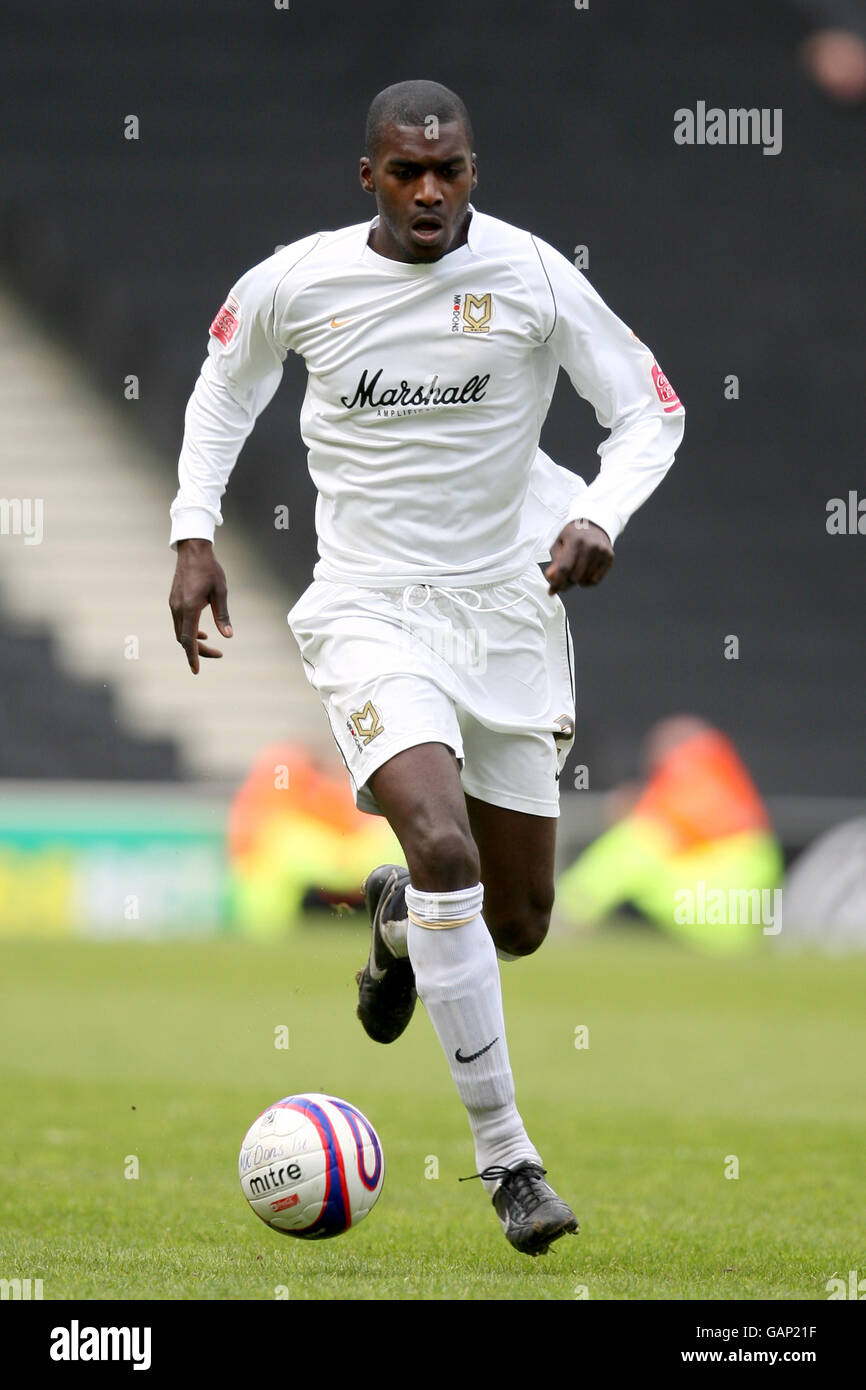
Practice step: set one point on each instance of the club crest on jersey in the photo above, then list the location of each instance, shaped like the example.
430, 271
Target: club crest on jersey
471, 313
227, 321
665, 392
364, 725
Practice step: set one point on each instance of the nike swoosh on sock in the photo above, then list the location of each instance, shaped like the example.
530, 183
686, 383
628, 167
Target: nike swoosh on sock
473, 1056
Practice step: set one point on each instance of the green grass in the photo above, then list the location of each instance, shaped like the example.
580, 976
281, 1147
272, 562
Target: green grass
167, 1052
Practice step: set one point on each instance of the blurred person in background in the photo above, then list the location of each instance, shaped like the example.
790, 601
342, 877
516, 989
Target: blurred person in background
692, 849
834, 53
297, 841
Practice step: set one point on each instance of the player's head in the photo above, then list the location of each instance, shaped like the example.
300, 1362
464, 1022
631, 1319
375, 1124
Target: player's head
417, 103
419, 164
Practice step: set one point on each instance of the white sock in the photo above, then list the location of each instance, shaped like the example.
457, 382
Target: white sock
457, 978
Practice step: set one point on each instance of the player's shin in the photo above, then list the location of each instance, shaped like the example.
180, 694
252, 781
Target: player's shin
457, 979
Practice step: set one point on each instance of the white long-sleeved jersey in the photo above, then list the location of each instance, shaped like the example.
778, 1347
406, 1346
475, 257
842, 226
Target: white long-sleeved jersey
428, 387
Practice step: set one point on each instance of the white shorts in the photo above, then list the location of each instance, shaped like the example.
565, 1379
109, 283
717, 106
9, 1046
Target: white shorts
487, 670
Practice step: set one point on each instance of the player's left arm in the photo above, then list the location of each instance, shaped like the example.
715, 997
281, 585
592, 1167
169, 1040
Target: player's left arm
632, 398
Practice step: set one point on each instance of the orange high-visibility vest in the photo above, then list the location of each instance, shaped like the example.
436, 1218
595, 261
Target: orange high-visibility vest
310, 792
702, 792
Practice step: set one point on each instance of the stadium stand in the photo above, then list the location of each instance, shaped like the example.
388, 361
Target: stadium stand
52, 726
84, 557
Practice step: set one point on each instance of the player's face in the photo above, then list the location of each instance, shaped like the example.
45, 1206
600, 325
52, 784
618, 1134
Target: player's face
422, 188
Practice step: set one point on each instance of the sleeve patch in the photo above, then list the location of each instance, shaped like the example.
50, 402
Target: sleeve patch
227, 321
665, 392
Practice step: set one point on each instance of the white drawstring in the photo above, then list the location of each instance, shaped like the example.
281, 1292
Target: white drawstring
452, 594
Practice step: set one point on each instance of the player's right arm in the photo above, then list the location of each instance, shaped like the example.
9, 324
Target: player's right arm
239, 376
199, 582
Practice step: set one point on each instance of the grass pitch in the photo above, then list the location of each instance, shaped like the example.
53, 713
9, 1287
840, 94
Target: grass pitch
694, 1069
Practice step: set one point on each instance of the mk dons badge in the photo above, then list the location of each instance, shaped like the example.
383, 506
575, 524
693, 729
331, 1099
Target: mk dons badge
471, 313
365, 724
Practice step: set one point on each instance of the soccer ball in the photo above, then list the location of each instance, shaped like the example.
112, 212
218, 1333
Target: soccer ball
311, 1166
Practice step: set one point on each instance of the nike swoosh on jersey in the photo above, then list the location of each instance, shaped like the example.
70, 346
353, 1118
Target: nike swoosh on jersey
474, 1055
338, 323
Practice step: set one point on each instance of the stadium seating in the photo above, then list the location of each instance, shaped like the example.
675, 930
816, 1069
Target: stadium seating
52, 726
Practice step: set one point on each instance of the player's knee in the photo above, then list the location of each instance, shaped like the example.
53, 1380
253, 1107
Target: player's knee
442, 859
523, 930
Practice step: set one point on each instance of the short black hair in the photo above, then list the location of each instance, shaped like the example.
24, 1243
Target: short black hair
410, 103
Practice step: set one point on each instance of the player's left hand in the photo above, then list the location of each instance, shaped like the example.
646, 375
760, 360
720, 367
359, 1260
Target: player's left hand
581, 554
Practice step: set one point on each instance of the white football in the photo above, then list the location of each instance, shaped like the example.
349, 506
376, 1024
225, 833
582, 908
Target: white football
311, 1166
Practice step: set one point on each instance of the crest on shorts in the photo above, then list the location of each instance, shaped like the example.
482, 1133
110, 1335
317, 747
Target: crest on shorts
365, 724
566, 724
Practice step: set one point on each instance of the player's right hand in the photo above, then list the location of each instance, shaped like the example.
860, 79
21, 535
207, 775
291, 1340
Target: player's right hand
199, 581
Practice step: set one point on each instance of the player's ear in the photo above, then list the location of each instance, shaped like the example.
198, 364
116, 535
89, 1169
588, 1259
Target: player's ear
474, 172
366, 175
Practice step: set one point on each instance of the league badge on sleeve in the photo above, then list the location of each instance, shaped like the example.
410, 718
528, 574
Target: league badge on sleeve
227, 321
665, 392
